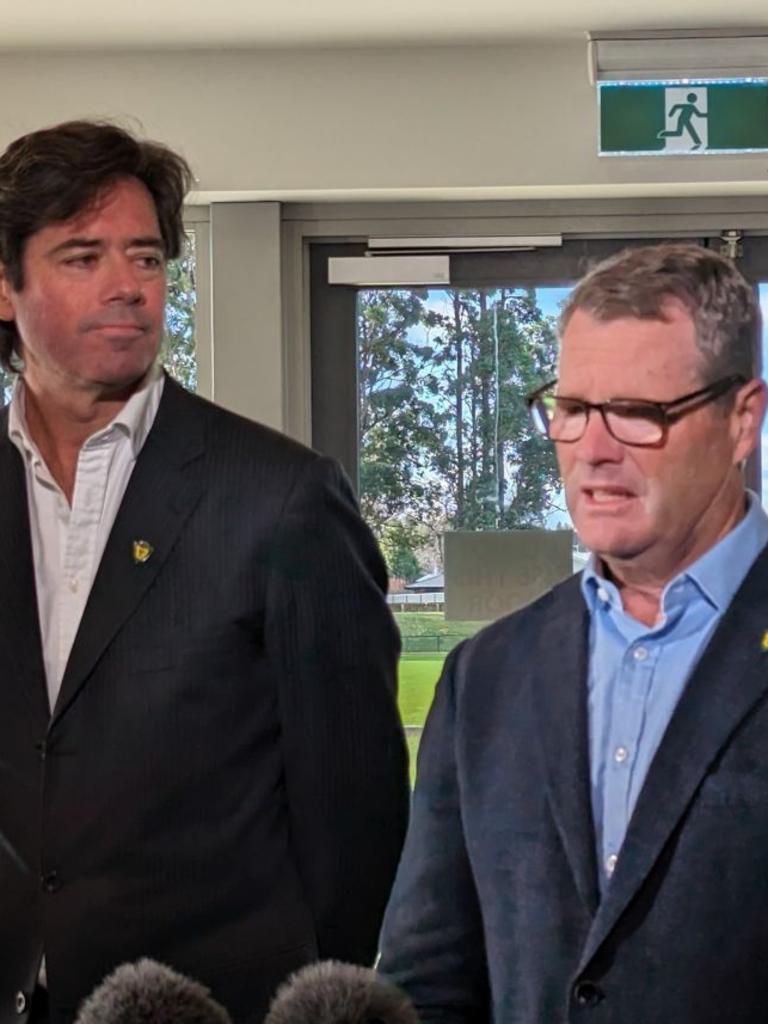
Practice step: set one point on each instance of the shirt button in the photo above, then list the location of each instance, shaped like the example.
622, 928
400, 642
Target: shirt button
20, 1002
640, 654
73, 584
620, 755
610, 864
587, 993
51, 882
602, 594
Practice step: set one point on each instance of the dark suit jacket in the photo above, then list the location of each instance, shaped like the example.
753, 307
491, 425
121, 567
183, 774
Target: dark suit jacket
222, 783
495, 913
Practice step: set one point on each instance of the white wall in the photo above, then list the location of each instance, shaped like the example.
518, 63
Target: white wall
471, 123
490, 122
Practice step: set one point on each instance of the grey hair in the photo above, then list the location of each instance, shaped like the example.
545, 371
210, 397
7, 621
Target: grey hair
641, 282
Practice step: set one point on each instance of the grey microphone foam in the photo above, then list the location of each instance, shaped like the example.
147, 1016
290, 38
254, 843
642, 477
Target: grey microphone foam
147, 992
331, 992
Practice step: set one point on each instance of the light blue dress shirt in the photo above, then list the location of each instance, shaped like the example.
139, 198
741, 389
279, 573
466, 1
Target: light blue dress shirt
638, 673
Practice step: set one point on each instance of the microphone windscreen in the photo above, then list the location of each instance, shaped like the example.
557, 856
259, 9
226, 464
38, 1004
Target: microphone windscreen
331, 992
147, 992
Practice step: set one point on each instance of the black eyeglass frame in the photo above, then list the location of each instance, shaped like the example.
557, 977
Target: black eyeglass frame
667, 412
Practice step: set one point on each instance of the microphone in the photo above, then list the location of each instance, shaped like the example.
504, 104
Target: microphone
147, 992
332, 992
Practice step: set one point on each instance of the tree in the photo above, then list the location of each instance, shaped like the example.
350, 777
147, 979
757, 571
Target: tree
445, 437
178, 352
496, 346
398, 543
399, 425
6, 386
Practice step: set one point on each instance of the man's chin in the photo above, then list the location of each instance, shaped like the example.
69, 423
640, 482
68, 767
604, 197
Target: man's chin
118, 383
612, 545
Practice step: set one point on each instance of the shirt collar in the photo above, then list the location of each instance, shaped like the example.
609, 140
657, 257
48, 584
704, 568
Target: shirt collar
135, 419
717, 574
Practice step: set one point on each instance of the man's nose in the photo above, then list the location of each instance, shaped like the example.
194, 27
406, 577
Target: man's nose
123, 282
597, 444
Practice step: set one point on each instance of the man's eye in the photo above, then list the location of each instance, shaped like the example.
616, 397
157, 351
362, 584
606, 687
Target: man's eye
150, 262
632, 411
569, 408
83, 260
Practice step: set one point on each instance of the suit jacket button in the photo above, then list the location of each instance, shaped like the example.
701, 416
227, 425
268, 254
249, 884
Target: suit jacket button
20, 1002
587, 993
51, 882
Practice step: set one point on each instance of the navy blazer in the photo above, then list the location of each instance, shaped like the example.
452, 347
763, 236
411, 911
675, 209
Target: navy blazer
495, 913
222, 783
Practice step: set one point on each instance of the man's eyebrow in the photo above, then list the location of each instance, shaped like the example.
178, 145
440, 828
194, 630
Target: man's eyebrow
146, 242
75, 243
142, 242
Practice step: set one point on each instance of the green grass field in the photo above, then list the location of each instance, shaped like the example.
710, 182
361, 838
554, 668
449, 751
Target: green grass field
412, 739
418, 674
419, 671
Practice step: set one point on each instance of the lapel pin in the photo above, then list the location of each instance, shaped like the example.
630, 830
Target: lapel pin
142, 550
764, 641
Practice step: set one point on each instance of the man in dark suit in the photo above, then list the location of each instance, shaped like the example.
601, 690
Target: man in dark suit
589, 836
201, 759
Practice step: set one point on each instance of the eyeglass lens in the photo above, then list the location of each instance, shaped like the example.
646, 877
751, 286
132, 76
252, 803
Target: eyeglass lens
629, 422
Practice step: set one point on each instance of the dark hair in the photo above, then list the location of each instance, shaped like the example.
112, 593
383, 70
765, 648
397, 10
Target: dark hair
640, 282
53, 174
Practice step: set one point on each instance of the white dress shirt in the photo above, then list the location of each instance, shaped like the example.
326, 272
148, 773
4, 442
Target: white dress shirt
68, 542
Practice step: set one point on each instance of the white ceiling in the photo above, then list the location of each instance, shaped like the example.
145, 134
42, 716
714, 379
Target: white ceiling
79, 24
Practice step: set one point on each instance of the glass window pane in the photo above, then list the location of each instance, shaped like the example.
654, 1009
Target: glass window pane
178, 353
6, 386
447, 448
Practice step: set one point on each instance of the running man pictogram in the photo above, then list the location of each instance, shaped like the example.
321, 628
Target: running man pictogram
687, 111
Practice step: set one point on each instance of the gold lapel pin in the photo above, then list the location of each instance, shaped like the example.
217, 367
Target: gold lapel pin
142, 550
764, 641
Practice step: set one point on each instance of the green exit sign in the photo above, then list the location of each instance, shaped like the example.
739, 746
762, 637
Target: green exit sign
683, 118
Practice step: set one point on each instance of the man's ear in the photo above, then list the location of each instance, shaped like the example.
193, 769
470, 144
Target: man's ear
747, 418
6, 306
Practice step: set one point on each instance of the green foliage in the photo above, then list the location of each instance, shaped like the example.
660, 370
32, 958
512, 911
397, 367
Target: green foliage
398, 422
398, 541
6, 387
178, 352
404, 565
413, 624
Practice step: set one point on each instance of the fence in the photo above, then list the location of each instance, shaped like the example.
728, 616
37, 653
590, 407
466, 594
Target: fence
405, 601
437, 643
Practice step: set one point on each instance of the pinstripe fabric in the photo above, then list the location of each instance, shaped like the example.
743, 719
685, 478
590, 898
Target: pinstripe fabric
224, 780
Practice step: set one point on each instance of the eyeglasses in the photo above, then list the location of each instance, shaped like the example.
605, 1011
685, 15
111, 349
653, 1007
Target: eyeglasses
632, 421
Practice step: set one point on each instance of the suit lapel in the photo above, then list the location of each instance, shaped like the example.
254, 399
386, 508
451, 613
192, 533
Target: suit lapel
730, 678
560, 698
163, 490
19, 621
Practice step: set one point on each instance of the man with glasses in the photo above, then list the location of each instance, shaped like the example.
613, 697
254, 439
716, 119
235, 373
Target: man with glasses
589, 838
